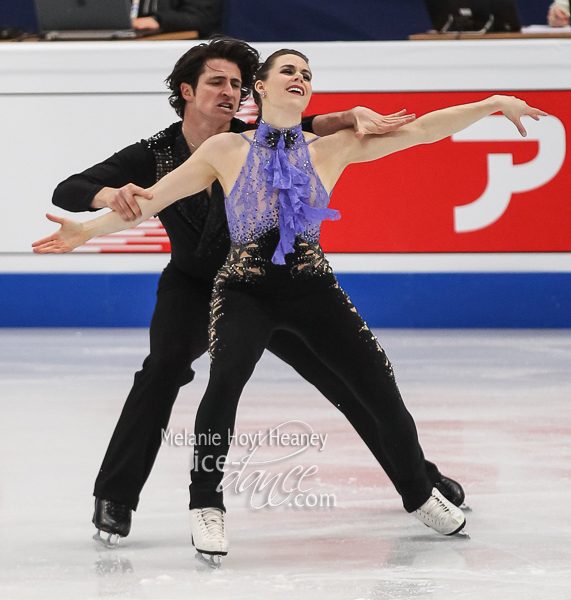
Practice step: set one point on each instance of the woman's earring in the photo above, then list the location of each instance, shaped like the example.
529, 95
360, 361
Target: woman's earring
263, 94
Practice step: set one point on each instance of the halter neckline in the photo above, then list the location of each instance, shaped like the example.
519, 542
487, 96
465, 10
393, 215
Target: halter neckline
269, 136
277, 188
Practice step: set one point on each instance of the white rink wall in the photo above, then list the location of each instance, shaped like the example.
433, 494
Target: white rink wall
64, 107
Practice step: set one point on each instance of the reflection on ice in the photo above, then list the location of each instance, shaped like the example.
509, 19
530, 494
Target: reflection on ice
116, 576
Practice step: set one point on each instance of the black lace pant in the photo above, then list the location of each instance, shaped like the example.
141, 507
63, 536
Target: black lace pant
178, 336
244, 324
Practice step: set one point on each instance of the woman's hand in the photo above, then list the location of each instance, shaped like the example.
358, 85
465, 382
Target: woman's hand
70, 235
514, 108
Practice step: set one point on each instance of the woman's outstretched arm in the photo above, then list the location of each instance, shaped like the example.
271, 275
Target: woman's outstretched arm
335, 152
194, 175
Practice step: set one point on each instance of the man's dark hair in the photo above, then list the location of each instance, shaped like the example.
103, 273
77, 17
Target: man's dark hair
190, 67
266, 67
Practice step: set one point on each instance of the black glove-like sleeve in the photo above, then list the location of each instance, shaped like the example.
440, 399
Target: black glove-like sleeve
134, 164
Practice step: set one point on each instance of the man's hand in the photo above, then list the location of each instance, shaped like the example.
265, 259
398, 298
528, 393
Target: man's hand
145, 23
363, 120
121, 200
70, 235
557, 17
367, 121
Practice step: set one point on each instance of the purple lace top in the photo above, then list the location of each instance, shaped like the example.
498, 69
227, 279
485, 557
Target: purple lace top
277, 188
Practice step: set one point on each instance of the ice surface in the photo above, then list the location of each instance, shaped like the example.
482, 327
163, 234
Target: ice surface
493, 409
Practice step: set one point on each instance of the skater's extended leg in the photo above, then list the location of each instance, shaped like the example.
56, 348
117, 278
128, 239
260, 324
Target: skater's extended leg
240, 329
335, 331
178, 335
291, 349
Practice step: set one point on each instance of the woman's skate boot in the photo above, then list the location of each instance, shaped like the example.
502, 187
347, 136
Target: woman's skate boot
209, 535
441, 514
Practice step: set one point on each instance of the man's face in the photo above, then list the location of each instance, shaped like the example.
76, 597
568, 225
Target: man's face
217, 94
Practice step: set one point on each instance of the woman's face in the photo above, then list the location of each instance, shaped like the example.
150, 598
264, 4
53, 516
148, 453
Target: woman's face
288, 81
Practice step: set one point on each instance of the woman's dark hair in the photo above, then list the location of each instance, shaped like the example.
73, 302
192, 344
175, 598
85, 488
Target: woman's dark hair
190, 67
266, 67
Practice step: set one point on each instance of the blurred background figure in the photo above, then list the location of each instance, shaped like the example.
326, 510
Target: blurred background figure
203, 16
178, 15
558, 15
18, 15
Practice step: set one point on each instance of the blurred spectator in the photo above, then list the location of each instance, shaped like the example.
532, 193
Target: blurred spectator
558, 15
20, 14
178, 15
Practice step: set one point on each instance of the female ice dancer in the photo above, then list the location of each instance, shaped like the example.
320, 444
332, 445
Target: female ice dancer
277, 182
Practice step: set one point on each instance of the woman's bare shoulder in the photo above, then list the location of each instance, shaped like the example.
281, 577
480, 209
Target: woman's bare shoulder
225, 141
250, 133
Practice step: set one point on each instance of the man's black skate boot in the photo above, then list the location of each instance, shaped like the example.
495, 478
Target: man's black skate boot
113, 519
451, 490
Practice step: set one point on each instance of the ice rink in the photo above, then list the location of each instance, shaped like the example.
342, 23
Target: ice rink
493, 409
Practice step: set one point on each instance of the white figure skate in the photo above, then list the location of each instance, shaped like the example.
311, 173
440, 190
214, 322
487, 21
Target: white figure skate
441, 515
209, 535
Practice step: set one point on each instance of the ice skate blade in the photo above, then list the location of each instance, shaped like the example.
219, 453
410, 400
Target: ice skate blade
462, 534
465, 507
210, 560
112, 540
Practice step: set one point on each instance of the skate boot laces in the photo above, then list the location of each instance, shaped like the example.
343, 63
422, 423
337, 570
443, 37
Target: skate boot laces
211, 522
441, 514
119, 512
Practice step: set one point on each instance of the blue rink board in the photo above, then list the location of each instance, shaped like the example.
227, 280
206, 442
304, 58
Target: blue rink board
424, 300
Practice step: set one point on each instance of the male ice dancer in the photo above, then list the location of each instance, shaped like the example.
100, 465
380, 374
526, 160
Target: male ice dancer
207, 84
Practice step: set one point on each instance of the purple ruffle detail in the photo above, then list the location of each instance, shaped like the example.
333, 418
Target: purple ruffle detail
296, 215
